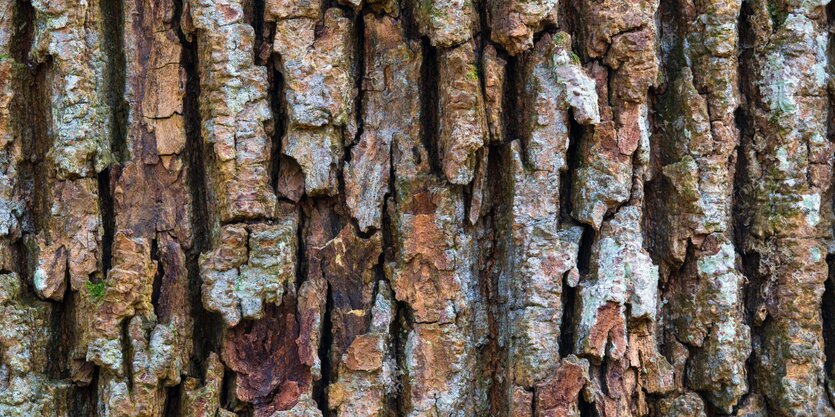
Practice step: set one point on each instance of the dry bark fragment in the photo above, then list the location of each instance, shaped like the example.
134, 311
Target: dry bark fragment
71, 243
620, 37
11, 208
513, 23
70, 34
431, 271
249, 266
152, 201
462, 126
789, 173
446, 23
697, 139
25, 388
235, 114
319, 91
367, 371
126, 292
542, 251
392, 62
495, 73
557, 396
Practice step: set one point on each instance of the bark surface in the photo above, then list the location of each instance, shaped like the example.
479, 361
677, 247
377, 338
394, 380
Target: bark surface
417, 208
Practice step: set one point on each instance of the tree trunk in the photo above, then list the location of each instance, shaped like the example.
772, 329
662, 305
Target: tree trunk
420, 208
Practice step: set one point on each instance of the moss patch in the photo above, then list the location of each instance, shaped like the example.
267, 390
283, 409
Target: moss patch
95, 290
472, 73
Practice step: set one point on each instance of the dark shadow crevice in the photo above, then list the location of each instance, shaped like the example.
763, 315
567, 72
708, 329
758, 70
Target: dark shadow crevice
208, 326
429, 96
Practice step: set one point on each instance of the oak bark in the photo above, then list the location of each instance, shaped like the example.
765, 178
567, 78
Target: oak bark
418, 208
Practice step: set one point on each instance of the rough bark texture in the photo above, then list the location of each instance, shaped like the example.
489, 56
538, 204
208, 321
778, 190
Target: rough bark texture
418, 208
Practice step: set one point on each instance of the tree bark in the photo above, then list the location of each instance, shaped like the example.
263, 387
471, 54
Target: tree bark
418, 208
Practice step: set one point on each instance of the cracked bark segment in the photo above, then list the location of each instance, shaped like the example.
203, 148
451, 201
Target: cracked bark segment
319, 91
440, 371
317, 94
604, 178
249, 266
558, 395
69, 35
462, 126
7, 29
480, 187
513, 23
620, 38
367, 370
265, 356
348, 263
431, 271
542, 252
694, 152
701, 127
236, 121
151, 200
70, 244
792, 322
432, 274
68, 152
697, 139
688, 404
25, 388
495, 74
392, 63
555, 83
535, 305
318, 151
617, 316
789, 165
160, 344
605, 20
718, 333
126, 292
151, 192
312, 299
173, 306
446, 23
203, 400
621, 273
155, 364
11, 206
714, 39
